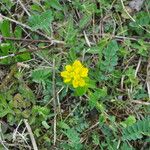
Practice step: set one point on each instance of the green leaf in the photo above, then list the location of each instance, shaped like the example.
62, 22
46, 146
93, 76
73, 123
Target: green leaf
24, 56
41, 21
142, 48
84, 21
4, 112
130, 73
102, 119
40, 75
5, 108
110, 60
18, 32
98, 48
5, 47
27, 93
141, 19
80, 91
40, 113
95, 138
111, 49
137, 130
125, 146
73, 135
71, 32
63, 125
36, 7
8, 3
129, 121
5, 28
96, 96
45, 124
55, 4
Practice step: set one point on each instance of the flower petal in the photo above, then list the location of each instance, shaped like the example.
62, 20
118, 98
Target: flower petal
67, 80
77, 71
68, 68
81, 83
64, 74
84, 72
77, 64
75, 83
75, 74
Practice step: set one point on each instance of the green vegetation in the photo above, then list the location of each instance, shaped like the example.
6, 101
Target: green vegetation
104, 104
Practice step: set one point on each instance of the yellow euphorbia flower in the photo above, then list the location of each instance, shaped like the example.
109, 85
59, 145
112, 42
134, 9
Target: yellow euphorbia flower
75, 74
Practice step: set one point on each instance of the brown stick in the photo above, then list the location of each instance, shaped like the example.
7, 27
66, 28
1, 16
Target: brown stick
31, 134
140, 102
8, 78
29, 28
54, 102
27, 51
26, 40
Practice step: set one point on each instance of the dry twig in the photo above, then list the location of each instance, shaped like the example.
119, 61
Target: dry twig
54, 102
140, 102
29, 28
148, 77
31, 134
24, 8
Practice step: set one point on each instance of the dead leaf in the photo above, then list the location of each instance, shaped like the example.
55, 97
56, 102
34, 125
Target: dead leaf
136, 4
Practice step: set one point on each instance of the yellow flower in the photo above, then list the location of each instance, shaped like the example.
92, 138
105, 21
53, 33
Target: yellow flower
77, 64
75, 74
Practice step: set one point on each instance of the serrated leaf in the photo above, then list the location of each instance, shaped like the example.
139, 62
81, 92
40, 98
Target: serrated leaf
73, 135
96, 96
110, 55
84, 21
4, 112
63, 125
136, 130
71, 32
55, 4
40, 75
41, 21
27, 93
111, 49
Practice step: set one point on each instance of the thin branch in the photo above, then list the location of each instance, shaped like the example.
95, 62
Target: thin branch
31, 134
86, 39
140, 102
127, 11
138, 66
24, 8
16, 130
148, 77
25, 40
118, 38
29, 28
135, 38
7, 56
27, 51
123, 6
89, 129
54, 102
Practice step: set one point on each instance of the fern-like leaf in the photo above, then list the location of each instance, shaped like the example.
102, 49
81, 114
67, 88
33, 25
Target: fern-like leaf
41, 21
110, 57
43, 111
137, 130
